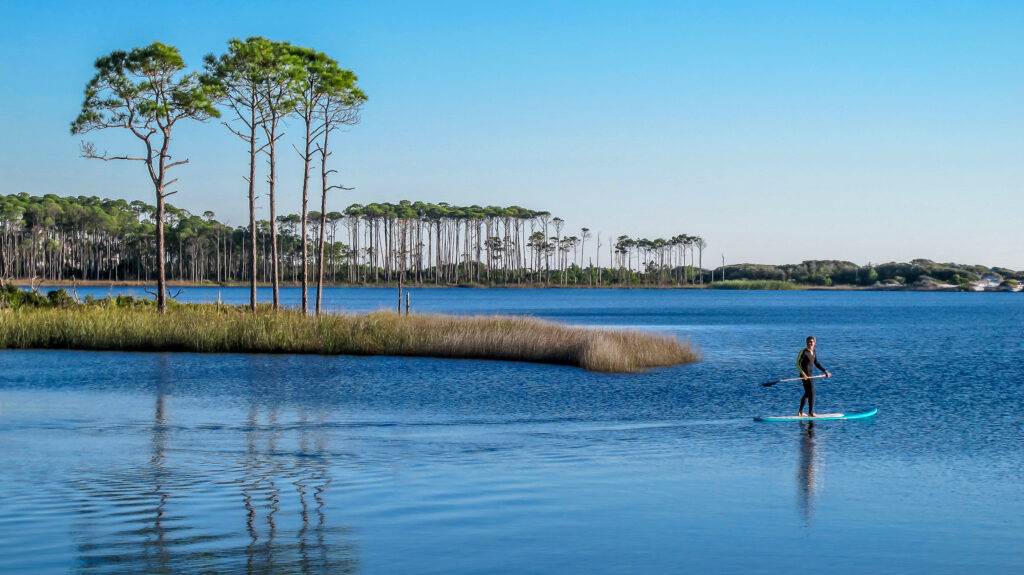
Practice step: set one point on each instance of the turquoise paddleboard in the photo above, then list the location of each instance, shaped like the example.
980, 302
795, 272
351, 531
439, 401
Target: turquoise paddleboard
821, 416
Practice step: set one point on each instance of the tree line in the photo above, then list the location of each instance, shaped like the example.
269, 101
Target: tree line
445, 244
62, 238
835, 272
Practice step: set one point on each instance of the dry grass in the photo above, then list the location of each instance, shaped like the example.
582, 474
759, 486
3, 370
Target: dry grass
202, 328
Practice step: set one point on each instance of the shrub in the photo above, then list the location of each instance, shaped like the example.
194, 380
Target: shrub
59, 298
754, 285
16, 298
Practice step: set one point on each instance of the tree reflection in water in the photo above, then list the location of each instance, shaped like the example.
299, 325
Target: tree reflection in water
159, 516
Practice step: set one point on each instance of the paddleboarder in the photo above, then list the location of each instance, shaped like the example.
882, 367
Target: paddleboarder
806, 362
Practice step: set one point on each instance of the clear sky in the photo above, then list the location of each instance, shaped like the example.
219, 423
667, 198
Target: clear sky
778, 131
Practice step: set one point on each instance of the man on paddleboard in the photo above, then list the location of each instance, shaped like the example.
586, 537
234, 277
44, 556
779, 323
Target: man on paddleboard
806, 362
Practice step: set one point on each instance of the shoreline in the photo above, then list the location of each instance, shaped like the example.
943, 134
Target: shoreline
22, 282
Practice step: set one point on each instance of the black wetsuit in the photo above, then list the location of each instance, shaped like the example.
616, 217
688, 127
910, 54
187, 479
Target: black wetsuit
804, 363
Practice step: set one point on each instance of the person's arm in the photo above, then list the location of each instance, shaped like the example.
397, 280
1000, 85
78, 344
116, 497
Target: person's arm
818, 365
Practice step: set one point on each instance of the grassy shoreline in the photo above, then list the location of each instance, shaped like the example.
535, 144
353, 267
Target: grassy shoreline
67, 284
205, 328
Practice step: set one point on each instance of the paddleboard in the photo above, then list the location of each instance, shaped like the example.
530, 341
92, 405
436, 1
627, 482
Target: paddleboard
821, 416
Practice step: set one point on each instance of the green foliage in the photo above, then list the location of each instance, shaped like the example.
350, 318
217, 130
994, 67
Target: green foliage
753, 272
912, 272
870, 278
831, 272
321, 79
754, 285
1009, 274
142, 90
16, 298
963, 283
239, 74
13, 297
127, 301
59, 298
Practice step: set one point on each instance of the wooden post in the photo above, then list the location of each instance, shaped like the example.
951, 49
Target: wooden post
218, 300
400, 294
407, 303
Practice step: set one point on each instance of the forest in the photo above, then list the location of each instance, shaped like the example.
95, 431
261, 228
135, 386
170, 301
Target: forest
87, 238
918, 272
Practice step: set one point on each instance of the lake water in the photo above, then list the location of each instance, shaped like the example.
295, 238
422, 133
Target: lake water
187, 463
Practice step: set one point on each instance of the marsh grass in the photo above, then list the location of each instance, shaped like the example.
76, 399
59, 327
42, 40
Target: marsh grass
755, 285
205, 329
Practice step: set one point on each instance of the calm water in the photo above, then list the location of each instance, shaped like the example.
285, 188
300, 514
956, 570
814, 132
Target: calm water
173, 463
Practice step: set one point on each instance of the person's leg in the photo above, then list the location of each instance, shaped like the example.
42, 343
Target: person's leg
809, 392
803, 398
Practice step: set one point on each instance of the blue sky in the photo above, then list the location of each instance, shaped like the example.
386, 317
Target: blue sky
778, 131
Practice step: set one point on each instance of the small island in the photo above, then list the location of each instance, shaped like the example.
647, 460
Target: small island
29, 320
916, 275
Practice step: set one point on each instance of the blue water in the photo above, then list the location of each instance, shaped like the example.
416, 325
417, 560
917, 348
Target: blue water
174, 463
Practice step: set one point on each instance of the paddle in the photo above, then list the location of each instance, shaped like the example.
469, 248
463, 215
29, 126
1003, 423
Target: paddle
771, 383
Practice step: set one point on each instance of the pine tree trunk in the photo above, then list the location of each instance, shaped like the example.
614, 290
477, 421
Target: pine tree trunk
252, 209
161, 280
305, 247
272, 179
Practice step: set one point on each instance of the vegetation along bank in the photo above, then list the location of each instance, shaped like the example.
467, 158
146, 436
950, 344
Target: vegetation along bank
31, 321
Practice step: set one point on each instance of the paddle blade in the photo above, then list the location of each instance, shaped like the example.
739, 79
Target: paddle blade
769, 384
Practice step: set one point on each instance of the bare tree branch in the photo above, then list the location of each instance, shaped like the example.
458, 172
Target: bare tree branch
241, 135
88, 151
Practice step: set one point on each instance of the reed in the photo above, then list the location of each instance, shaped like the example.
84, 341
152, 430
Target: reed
207, 329
755, 285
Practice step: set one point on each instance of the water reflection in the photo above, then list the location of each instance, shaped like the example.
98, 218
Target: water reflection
158, 462
808, 481
188, 508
